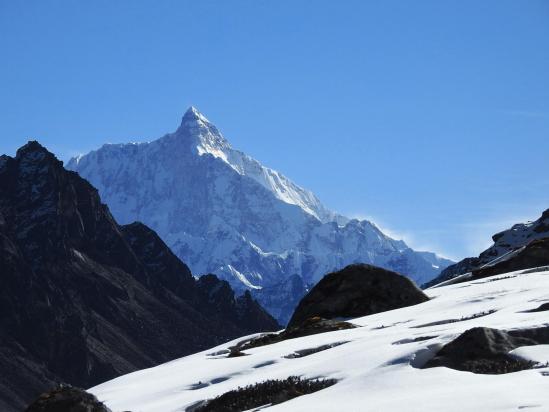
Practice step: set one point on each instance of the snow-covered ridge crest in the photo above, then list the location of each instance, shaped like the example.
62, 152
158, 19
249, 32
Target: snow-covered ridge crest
203, 137
203, 134
207, 139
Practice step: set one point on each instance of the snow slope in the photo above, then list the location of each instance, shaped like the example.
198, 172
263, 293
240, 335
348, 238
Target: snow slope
375, 368
222, 212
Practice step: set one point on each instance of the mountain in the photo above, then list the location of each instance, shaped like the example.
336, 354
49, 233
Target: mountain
83, 299
223, 212
416, 358
509, 246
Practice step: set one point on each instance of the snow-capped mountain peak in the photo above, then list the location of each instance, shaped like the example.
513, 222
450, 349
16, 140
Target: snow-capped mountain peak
223, 212
207, 139
202, 134
193, 115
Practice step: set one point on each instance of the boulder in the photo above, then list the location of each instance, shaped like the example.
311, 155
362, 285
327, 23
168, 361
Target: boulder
357, 290
486, 351
67, 399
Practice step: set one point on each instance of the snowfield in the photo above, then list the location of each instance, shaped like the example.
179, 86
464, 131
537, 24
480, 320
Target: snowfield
377, 368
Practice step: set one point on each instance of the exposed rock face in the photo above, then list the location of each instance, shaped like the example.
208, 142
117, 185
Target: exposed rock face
357, 290
83, 299
486, 351
223, 212
507, 245
534, 254
67, 399
519, 235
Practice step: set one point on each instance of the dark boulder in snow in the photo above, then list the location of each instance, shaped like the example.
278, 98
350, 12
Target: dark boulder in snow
67, 399
357, 290
486, 351
541, 308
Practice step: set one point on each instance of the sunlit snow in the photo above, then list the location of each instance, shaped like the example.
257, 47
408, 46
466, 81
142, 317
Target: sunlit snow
375, 368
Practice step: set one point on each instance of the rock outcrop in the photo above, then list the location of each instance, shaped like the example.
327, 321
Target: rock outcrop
486, 350
507, 253
534, 254
67, 399
357, 290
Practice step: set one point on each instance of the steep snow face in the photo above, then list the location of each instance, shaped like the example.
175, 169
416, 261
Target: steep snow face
210, 141
377, 368
223, 212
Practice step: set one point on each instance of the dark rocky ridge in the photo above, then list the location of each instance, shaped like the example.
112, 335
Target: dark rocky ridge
520, 235
357, 290
534, 254
82, 299
486, 351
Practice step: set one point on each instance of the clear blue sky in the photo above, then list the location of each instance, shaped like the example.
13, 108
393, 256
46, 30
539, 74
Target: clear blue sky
429, 117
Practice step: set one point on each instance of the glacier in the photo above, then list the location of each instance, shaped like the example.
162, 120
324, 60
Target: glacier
223, 212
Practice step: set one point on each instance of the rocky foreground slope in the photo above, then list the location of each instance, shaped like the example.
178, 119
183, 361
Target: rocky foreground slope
82, 299
416, 358
223, 212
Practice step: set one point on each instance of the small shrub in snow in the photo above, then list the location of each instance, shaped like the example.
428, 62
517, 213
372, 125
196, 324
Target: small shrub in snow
270, 392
